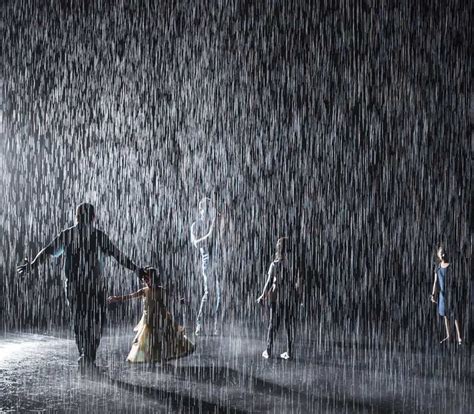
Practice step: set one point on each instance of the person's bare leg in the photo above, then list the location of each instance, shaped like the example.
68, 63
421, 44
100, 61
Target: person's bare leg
448, 335
216, 310
198, 331
458, 331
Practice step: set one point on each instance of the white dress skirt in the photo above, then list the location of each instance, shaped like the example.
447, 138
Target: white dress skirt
158, 338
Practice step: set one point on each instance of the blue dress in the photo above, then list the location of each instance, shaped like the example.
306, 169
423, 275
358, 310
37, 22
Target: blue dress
448, 300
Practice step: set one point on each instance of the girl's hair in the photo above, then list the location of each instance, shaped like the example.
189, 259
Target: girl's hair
281, 253
443, 253
152, 277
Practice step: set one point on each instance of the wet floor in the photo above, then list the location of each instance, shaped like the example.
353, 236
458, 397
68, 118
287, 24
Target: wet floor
227, 374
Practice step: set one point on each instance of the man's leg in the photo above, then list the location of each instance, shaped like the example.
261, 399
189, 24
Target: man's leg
205, 262
78, 329
89, 334
79, 314
96, 315
73, 317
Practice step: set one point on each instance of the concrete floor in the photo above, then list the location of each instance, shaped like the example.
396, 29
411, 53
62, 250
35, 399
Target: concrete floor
38, 373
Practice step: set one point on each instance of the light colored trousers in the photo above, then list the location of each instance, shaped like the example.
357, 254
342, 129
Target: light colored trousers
209, 277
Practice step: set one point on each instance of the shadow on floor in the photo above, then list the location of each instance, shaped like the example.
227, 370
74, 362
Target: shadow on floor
224, 376
180, 402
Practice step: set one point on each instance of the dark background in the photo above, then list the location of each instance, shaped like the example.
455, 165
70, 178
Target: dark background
345, 125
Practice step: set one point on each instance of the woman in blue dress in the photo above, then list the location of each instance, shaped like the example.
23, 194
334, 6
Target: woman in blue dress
447, 286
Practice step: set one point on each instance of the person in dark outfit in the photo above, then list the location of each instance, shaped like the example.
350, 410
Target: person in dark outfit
84, 247
282, 288
449, 300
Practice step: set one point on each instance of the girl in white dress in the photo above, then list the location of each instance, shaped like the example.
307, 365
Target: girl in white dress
158, 337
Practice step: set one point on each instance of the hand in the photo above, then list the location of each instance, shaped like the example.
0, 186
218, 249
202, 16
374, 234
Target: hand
182, 301
260, 300
433, 299
113, 299
24, 268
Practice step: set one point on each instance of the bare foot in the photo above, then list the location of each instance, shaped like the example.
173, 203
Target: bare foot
445, 339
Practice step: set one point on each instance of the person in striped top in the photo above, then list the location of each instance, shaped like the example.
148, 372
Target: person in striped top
203, 238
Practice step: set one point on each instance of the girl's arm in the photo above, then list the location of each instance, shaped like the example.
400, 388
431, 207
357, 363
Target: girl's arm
267, 284
435, 283
115, 299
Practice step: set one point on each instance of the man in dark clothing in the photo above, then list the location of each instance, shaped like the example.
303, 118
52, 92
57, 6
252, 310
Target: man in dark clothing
84, 247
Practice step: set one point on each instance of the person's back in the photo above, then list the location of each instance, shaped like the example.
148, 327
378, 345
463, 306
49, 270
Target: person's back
81, 249
284, 288
83, 246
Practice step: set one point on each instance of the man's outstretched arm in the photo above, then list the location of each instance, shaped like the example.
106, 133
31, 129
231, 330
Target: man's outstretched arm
111, 250
55, 248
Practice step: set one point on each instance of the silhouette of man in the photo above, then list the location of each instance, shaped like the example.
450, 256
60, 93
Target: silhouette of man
84, 247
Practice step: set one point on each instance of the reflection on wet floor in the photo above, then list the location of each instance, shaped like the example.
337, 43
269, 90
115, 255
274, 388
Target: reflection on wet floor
39, 372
